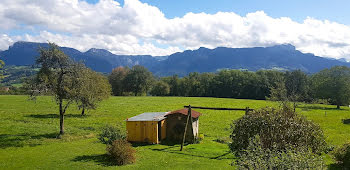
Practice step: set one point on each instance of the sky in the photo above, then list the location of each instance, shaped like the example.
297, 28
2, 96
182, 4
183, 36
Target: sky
163, 27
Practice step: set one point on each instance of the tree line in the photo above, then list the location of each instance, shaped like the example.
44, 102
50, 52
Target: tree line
332, 85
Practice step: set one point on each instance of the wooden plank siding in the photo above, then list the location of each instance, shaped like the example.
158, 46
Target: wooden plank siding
145, 131
163, 131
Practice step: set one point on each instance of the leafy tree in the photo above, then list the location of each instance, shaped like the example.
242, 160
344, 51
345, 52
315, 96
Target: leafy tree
139, 80
57, 76
333, 84
174, 85
279, 93
297, 85
206, 84
93, 88
268, 79
116, 79
160, 89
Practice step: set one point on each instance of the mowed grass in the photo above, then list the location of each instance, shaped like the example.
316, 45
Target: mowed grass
28, 133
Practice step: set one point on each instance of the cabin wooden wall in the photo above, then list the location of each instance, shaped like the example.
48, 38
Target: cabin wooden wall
146, 131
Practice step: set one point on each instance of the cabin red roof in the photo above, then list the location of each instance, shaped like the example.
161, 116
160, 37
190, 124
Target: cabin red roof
194, 113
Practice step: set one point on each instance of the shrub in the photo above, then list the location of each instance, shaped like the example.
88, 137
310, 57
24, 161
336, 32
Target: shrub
110, 134
121, 152
342, 155
277, 129
256, 157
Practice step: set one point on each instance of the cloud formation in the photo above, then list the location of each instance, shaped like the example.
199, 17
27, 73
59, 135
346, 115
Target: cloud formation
139, 28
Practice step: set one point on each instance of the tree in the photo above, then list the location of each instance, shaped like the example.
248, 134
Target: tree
160, 89
174, 83
116, 79
268, 79
297, 85
57, 76
139, 80
93, 88
333, 84
279, 93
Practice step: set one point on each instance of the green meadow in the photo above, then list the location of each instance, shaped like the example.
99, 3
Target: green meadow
28, 131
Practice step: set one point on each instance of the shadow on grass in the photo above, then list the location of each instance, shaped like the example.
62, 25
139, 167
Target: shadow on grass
101, 159
346, 121
164, 142
56, 116
335, 167
20, 140
219, 157
317, 108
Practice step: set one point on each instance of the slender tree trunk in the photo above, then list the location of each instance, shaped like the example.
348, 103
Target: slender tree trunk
61, 119
338, 106
83, 111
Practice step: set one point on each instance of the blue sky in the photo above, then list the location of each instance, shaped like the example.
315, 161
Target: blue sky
333, 10
163, 27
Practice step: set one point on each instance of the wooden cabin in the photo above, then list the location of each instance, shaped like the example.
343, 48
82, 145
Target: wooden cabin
147, 127
156, 126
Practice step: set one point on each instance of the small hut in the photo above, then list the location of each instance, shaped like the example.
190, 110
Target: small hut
176, 122
147, 127
156, 126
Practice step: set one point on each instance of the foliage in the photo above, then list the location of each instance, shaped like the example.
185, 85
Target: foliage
13, 91
225, 83
173, 83
333, 84
122, 152
138, 80
110, 134
160, 88
342, 155
260, 158
17, 75
93, 88
277, 129
291, 89
297, 85
58, 76
1, 65
116, 79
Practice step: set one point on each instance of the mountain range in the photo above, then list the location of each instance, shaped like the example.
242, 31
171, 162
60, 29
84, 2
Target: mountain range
281, 57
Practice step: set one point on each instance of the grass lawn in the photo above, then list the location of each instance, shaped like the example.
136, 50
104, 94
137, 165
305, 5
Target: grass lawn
28, 130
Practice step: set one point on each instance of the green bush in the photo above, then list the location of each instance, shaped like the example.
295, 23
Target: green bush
121, 152
277, 129
110, 134
256, 157
342, 155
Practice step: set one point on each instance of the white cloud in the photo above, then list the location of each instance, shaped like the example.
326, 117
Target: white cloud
134, 27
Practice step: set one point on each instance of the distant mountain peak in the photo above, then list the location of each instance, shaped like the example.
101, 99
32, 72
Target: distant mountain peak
96, 50
288, 47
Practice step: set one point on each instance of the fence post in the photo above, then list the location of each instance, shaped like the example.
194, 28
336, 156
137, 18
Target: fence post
184, 137
246, 110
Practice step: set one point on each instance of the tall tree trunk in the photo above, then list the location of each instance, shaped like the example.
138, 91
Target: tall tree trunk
83, 111
61, 119
338, 106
